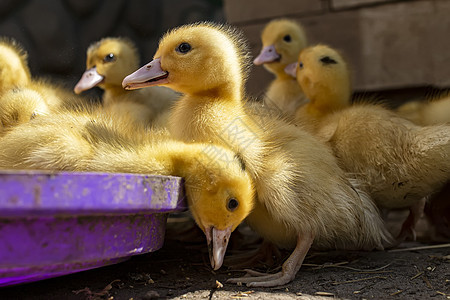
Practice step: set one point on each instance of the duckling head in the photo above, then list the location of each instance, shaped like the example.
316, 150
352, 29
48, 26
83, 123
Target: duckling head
282, 41
108, 62
323, 76
196, 59
220, 195
14, 71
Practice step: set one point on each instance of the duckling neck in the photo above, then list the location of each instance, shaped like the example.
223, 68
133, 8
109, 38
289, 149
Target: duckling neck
329, 101
112, 93
182, 159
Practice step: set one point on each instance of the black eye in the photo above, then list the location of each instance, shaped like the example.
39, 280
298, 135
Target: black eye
328, 60
287, 38
184, 48
109, 58
300, 65
232, 204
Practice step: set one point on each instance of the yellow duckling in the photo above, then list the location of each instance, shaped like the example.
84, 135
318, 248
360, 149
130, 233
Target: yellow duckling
14, 71
97, 142
282, 41
431, 112
21, 96
19, 106
435, 110
14, 74
108, 62
303, 197
397, 161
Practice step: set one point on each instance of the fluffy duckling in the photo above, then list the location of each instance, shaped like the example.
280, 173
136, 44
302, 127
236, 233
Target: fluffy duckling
215, 177
108, 62
22, 96
19, 106
397, 161
282, 41
302, 196
431, 112
14, 71
14, 74
322, 87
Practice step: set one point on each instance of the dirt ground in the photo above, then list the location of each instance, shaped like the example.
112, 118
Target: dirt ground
181, 270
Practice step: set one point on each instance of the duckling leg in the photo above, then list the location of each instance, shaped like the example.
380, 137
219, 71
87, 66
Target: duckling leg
415, 213
264, 254
288, 270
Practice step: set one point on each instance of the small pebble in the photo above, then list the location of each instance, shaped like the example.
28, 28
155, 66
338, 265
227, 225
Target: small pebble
163, 272
151, 295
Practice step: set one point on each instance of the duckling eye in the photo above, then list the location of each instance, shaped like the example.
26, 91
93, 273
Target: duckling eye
184, 48
328, 60
300, 65
287, 38
109, 57
232, 204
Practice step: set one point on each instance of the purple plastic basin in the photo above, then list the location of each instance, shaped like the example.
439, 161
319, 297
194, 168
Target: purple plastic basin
57, 223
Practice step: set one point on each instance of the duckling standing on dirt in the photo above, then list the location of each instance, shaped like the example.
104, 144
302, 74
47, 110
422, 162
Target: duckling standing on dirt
302, 197
108, 62
396, 161
282, 41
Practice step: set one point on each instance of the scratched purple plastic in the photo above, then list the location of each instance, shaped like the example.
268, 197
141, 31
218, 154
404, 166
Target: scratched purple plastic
53, 224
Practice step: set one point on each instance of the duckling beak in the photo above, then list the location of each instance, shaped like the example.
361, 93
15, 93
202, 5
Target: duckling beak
149, 75
89, 79
217, 245
268, 54
291, 69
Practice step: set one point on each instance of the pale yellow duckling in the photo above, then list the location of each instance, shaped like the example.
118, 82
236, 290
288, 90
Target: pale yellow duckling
282, 41
21, 96
303, 197
14, 71
398, 162
108, 62
433, 111
19, 106
15, 74
100, 143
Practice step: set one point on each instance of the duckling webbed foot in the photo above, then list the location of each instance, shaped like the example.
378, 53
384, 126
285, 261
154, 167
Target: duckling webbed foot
408, 227
288, 271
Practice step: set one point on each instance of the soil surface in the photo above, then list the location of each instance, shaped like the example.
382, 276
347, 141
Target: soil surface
181, 270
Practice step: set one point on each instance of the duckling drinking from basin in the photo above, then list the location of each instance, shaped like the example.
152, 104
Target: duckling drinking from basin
97, 142
302, 197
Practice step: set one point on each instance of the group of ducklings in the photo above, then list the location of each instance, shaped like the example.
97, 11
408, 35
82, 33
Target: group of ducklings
314, 175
